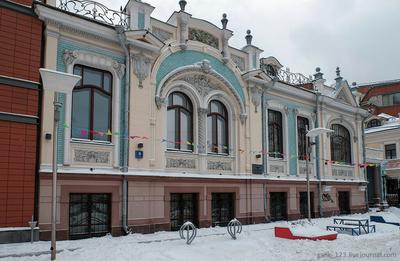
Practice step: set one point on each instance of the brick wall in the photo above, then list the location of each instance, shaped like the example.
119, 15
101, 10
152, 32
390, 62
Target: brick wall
17, 168
20, 44
20, 49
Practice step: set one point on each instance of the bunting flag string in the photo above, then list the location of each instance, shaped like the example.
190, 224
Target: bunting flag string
275, 154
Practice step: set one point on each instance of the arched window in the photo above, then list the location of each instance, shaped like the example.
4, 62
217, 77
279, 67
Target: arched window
373, 123
302, 128
275, 134
91, 104
217, 128
340, 144
179, 122
270, 70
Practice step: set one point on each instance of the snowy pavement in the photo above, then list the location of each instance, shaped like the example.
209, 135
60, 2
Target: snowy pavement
256, 242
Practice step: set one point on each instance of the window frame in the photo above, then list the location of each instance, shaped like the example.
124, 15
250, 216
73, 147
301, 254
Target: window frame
177, 120
302, 138
92, 89
275, 153
369, 123
390, 150
214, 128
340, 132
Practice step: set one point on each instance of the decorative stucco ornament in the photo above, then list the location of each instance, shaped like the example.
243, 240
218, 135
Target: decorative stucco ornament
234, 227
70, 56
119, 68
141, 67
205, 66
256, 94
160, 102
191, 232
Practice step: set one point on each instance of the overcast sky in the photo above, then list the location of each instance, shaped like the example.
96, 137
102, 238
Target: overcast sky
360, 36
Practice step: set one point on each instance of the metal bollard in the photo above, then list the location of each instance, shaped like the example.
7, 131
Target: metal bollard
32, 224
191, 232
234, 227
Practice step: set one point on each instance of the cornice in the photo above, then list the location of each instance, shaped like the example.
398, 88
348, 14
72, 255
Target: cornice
66, 22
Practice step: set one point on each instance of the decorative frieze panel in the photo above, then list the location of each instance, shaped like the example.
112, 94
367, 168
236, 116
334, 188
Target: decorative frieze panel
342, 171
161, 34
239, 61
181, 163
219, 165
204, 37
303, 169
276, 169
90, 156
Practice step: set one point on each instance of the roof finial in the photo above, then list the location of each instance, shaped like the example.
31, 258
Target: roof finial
224, 21
318, 75
338, 78
182, 4
249, 37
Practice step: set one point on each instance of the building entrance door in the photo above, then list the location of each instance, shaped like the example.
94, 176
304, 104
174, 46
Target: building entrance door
344, 202
184, 207
222, 208
89, 215
278, 209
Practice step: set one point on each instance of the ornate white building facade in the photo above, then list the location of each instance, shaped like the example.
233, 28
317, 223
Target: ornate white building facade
170, 123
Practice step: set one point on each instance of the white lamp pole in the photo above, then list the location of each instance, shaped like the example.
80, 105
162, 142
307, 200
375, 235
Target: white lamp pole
311, 134
62, 83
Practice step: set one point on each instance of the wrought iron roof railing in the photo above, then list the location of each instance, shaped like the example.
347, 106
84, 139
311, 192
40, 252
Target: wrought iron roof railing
292, 78
96, 11
285, 75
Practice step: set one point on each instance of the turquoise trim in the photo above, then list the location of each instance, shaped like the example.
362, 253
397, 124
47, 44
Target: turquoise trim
292, 145
63, 45
292, 130
184, 58
141, 20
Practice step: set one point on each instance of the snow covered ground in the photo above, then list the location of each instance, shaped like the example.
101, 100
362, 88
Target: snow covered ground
256, 242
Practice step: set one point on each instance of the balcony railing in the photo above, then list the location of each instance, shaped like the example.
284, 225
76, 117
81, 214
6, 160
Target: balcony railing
292, 78
96, 11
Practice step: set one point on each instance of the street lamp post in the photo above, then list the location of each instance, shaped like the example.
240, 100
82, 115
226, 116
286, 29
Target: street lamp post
311, 134
61, 83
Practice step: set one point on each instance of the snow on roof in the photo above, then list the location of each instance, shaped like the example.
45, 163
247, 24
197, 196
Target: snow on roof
394, 124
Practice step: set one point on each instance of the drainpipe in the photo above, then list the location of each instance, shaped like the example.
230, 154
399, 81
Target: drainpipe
264, 140
317, 154
125, 155
364, 160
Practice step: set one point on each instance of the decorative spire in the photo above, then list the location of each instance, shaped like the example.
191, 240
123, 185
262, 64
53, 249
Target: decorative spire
338, 78
249, 37
182, 4
318, 75
338, 71
224, 21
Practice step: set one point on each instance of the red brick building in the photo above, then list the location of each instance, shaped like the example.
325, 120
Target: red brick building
381, 97
20, 60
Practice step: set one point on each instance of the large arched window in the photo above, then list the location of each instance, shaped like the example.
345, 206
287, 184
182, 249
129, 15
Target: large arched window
340, 144
302, 128
275, 134
180, 122
92, 104
217, 128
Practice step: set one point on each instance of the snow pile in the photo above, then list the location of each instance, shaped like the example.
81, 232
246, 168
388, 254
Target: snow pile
256, 242
306, 229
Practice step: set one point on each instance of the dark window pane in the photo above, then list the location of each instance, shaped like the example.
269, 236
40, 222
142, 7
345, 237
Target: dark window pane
275, 134
107, 82
78, 71
390, 151
81, 113
302, 128
101, 115
217, 128
92, 77
179, 122
171, 129
340, 144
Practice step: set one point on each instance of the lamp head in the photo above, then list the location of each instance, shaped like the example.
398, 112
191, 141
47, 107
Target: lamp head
317, 131
58, 81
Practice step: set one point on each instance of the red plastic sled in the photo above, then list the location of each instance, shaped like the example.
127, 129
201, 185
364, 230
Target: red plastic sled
284, 232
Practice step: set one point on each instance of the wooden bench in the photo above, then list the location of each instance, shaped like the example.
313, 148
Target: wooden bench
355, 230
